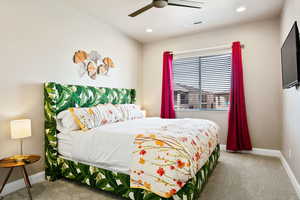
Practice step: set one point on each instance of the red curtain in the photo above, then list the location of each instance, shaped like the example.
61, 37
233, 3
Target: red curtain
167, 99
238, 133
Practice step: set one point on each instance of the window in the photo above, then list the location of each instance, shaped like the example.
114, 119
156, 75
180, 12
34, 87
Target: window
202, 82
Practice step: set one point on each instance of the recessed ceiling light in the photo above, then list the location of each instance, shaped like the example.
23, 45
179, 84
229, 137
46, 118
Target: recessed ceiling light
241, 9
149, 30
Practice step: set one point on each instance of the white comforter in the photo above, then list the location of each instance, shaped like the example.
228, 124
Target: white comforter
110, 146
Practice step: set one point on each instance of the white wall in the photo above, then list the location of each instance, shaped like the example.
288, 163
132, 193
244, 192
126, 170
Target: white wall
291, 97
261, 72
37, 42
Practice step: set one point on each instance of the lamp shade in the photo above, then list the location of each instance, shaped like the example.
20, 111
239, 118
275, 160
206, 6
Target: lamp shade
20, 128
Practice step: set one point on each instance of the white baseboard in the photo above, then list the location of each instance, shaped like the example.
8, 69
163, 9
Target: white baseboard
291, 175
258, 151
278, 154
19, 184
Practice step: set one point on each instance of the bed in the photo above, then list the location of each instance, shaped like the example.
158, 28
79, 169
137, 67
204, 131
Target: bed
107, 168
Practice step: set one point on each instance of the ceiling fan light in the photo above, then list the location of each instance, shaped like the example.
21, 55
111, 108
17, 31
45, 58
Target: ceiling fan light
160, 3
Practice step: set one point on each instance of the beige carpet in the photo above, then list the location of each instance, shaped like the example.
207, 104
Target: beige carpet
237, 177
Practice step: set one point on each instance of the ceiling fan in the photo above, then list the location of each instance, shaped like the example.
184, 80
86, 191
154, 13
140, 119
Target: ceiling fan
164, 3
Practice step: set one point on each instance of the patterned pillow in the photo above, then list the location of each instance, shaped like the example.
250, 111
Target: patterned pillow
130, 111
88, 118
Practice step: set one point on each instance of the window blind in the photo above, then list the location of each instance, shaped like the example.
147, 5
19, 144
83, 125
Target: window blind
202, 82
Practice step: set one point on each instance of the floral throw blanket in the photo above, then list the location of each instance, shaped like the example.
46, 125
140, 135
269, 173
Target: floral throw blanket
164, 159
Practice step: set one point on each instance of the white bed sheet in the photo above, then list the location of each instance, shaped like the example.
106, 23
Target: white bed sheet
65, 144
108, 147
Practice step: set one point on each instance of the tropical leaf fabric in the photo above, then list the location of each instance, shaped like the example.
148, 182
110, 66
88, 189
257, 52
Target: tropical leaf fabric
61, 97
58, 97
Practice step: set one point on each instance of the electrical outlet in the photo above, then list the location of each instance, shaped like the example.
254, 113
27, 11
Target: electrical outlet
290, 153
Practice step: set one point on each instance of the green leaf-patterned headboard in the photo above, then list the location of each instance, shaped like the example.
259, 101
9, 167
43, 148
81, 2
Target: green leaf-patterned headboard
58, 97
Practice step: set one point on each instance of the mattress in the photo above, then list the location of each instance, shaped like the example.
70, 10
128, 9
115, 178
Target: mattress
110, 146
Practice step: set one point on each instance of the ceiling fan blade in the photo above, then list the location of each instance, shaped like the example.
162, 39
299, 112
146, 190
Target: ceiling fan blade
190, 1
140, 11
181, 5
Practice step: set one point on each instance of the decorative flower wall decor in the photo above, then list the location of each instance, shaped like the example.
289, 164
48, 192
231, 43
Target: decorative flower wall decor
92, 64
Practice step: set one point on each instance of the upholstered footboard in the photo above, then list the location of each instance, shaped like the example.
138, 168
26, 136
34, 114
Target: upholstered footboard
119, 183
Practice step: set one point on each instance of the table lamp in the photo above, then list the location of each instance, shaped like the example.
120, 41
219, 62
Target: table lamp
20, 129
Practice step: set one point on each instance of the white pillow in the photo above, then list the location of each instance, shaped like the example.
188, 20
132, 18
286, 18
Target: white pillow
130, 111
65, 122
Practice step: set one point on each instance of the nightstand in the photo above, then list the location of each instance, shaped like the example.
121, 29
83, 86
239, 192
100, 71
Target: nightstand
18, 161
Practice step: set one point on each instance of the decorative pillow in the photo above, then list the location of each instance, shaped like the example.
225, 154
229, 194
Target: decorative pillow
65, 122
110, 113
88, 118
130, 111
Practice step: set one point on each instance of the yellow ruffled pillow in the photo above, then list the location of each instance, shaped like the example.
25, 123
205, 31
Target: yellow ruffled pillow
89, 118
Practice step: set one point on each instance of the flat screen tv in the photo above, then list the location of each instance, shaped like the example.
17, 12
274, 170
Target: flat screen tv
290, 59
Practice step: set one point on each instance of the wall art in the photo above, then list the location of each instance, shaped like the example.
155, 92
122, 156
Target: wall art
92, 64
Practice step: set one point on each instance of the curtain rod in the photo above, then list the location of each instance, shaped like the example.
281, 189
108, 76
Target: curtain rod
205, 49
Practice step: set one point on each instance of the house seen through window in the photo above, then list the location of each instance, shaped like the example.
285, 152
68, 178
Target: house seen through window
202, 82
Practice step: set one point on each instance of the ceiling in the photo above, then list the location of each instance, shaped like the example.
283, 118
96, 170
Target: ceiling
174, 21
